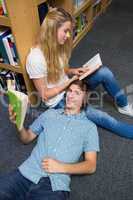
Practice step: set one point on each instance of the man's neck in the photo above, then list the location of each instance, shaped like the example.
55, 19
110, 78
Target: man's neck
72, 111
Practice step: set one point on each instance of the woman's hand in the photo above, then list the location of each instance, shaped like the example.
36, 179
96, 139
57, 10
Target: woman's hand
52, 166
74, 78
12, 114
78, 71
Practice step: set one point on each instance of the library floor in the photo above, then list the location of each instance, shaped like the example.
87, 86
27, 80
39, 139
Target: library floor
112, 37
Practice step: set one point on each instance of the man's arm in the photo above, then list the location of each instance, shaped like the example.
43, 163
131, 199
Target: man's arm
26, 135
88, 166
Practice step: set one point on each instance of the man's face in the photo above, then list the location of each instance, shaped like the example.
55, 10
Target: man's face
74, 97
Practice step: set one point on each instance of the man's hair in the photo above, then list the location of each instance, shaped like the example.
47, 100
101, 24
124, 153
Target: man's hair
83, 86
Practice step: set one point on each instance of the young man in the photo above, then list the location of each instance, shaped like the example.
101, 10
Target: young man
63, 135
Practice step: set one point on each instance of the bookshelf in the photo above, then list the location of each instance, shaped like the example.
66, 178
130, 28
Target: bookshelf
87, 7
23, 20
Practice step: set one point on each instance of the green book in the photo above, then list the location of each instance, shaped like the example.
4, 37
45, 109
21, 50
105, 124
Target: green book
19, 101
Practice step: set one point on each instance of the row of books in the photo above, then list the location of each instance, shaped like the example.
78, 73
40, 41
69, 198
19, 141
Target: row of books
95, 2
11, 80
96, 8
81, 22
78, 3
8, 51
3, 10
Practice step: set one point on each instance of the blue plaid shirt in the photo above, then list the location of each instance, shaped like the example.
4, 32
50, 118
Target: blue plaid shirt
61, 137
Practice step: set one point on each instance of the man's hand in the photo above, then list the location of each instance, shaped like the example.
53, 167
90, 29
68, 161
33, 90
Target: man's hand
52, 166
12, 114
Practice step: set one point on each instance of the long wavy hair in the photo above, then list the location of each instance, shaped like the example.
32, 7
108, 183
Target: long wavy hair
47, 42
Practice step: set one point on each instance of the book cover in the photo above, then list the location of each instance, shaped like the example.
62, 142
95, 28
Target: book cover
19, 102
4, 7
4, 32
13, 48
8, 50
92, 65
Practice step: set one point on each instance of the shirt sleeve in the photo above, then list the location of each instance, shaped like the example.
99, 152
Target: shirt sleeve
36, 65
37, 126
91, 142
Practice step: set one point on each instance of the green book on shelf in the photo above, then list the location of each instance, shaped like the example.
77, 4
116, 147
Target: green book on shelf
19, 101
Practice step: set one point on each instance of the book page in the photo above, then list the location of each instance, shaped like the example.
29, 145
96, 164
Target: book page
92, 65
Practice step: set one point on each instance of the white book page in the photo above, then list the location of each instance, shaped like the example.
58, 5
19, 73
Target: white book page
92, 65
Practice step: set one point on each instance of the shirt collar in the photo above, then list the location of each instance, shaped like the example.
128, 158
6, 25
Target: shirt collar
74, 116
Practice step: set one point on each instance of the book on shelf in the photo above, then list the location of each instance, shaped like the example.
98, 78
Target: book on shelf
9, 50
81, 22
13, 80
92, 65
12, 46
78, 3
3, 10
19, 102
42, 11
3, 33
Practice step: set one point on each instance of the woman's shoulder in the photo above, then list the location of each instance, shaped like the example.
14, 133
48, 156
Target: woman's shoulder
35, 57
36, 64
36, 51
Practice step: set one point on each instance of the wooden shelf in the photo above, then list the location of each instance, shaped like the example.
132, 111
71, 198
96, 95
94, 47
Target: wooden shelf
82, 34
81, 8
38, 2
4, 21
10, 67
106, 5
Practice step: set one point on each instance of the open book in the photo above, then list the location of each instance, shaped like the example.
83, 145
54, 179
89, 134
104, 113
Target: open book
19, 102
92, 65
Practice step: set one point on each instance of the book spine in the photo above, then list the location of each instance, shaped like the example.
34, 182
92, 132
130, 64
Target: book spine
8, 50
1, 8
12, 48
4, 7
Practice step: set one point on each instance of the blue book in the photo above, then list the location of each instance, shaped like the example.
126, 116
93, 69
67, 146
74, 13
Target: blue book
3, 33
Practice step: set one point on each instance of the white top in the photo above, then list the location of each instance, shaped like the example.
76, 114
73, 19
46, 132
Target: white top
36, 67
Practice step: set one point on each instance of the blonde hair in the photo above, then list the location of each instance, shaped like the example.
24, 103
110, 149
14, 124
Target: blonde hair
47, 42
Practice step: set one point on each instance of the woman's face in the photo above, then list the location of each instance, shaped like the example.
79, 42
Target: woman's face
64, 32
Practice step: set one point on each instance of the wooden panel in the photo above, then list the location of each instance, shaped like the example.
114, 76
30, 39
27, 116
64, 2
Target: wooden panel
38, 2
66, 4
10, 67
82, 7
4, 21
24, 24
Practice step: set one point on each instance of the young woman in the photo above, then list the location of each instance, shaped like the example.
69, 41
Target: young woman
47, 65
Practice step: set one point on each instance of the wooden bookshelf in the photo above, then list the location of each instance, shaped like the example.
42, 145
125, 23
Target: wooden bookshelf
24, 22
4, 21
10, 67
38, 2
105, 4
83, 7
82, 34
23, 19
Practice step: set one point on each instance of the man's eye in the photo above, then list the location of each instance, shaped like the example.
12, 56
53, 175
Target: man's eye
77, 93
